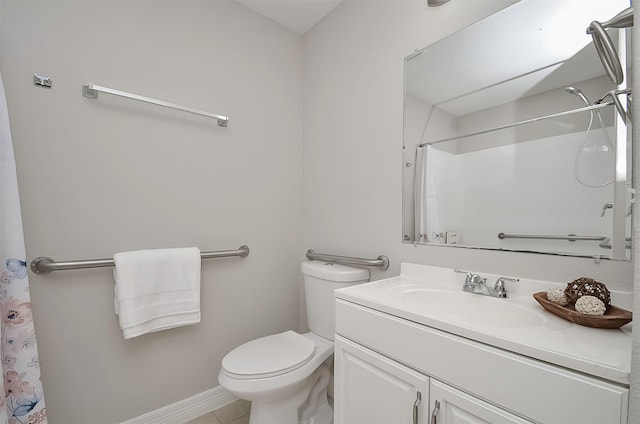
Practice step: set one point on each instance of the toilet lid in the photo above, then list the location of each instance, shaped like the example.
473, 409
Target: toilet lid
269, 356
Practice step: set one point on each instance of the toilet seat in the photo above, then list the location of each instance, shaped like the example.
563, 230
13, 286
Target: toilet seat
269, 356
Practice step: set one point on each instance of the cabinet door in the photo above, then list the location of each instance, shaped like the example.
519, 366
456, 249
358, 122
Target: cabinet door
451, 406
373, 389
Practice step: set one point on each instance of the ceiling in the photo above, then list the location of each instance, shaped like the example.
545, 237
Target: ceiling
297, 15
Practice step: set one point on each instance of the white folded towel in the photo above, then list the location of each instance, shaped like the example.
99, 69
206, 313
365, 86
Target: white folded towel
156, 289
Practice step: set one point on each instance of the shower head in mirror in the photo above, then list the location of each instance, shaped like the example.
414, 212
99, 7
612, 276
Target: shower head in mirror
579, 93
433, 3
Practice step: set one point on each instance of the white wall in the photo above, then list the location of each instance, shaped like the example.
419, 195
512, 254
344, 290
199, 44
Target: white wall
98, 177
353, 63
531, 182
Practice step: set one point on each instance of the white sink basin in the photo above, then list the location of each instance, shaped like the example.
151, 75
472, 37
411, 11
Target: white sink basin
475, 310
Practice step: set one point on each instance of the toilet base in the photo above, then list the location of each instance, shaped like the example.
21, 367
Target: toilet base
308, 406
323, 415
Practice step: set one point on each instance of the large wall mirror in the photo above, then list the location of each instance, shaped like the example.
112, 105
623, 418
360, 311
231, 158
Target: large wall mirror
512, 140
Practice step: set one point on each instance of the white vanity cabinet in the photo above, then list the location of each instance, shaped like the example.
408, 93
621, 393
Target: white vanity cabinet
373, 389
395, 362
451, 406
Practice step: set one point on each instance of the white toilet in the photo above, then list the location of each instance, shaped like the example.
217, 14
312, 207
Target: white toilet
286, 375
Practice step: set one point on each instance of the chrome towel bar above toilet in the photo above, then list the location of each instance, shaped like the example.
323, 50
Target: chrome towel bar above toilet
44, 264
381, 261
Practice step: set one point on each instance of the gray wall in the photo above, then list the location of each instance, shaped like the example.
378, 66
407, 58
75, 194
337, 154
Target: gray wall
98, 177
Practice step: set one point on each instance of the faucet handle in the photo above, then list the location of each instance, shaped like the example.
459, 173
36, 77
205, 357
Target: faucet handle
469, 275
499, 290
471, 280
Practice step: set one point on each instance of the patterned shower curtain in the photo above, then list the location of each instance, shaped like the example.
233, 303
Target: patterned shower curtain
22, 400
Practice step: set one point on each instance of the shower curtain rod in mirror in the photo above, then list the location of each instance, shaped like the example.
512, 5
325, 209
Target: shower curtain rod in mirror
527, 121
91, 91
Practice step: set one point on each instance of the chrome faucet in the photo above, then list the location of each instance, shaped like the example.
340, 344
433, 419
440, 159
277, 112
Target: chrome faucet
499, 289
474, 283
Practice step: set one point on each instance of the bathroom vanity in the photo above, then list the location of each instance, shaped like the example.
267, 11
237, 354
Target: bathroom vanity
417, 349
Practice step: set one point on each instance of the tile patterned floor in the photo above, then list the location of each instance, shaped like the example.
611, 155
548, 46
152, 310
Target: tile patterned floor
234, 413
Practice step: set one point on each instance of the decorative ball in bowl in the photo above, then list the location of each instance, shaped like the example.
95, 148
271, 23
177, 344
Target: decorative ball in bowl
584, 302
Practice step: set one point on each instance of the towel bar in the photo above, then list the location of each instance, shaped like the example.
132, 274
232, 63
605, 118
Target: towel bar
91, 91
570, 237
44, 264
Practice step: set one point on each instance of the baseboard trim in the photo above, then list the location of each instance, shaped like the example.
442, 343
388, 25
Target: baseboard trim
186, 409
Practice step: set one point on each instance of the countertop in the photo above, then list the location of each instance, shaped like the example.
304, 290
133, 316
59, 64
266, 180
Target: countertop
604, 353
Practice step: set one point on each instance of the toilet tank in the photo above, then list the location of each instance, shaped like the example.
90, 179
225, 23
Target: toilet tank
320, 281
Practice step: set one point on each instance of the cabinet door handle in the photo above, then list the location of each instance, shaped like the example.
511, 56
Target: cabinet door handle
434, 414
415, 407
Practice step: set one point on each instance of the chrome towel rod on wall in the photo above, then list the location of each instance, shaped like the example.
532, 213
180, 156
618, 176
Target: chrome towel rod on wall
44, 264
381, 261
91, 91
